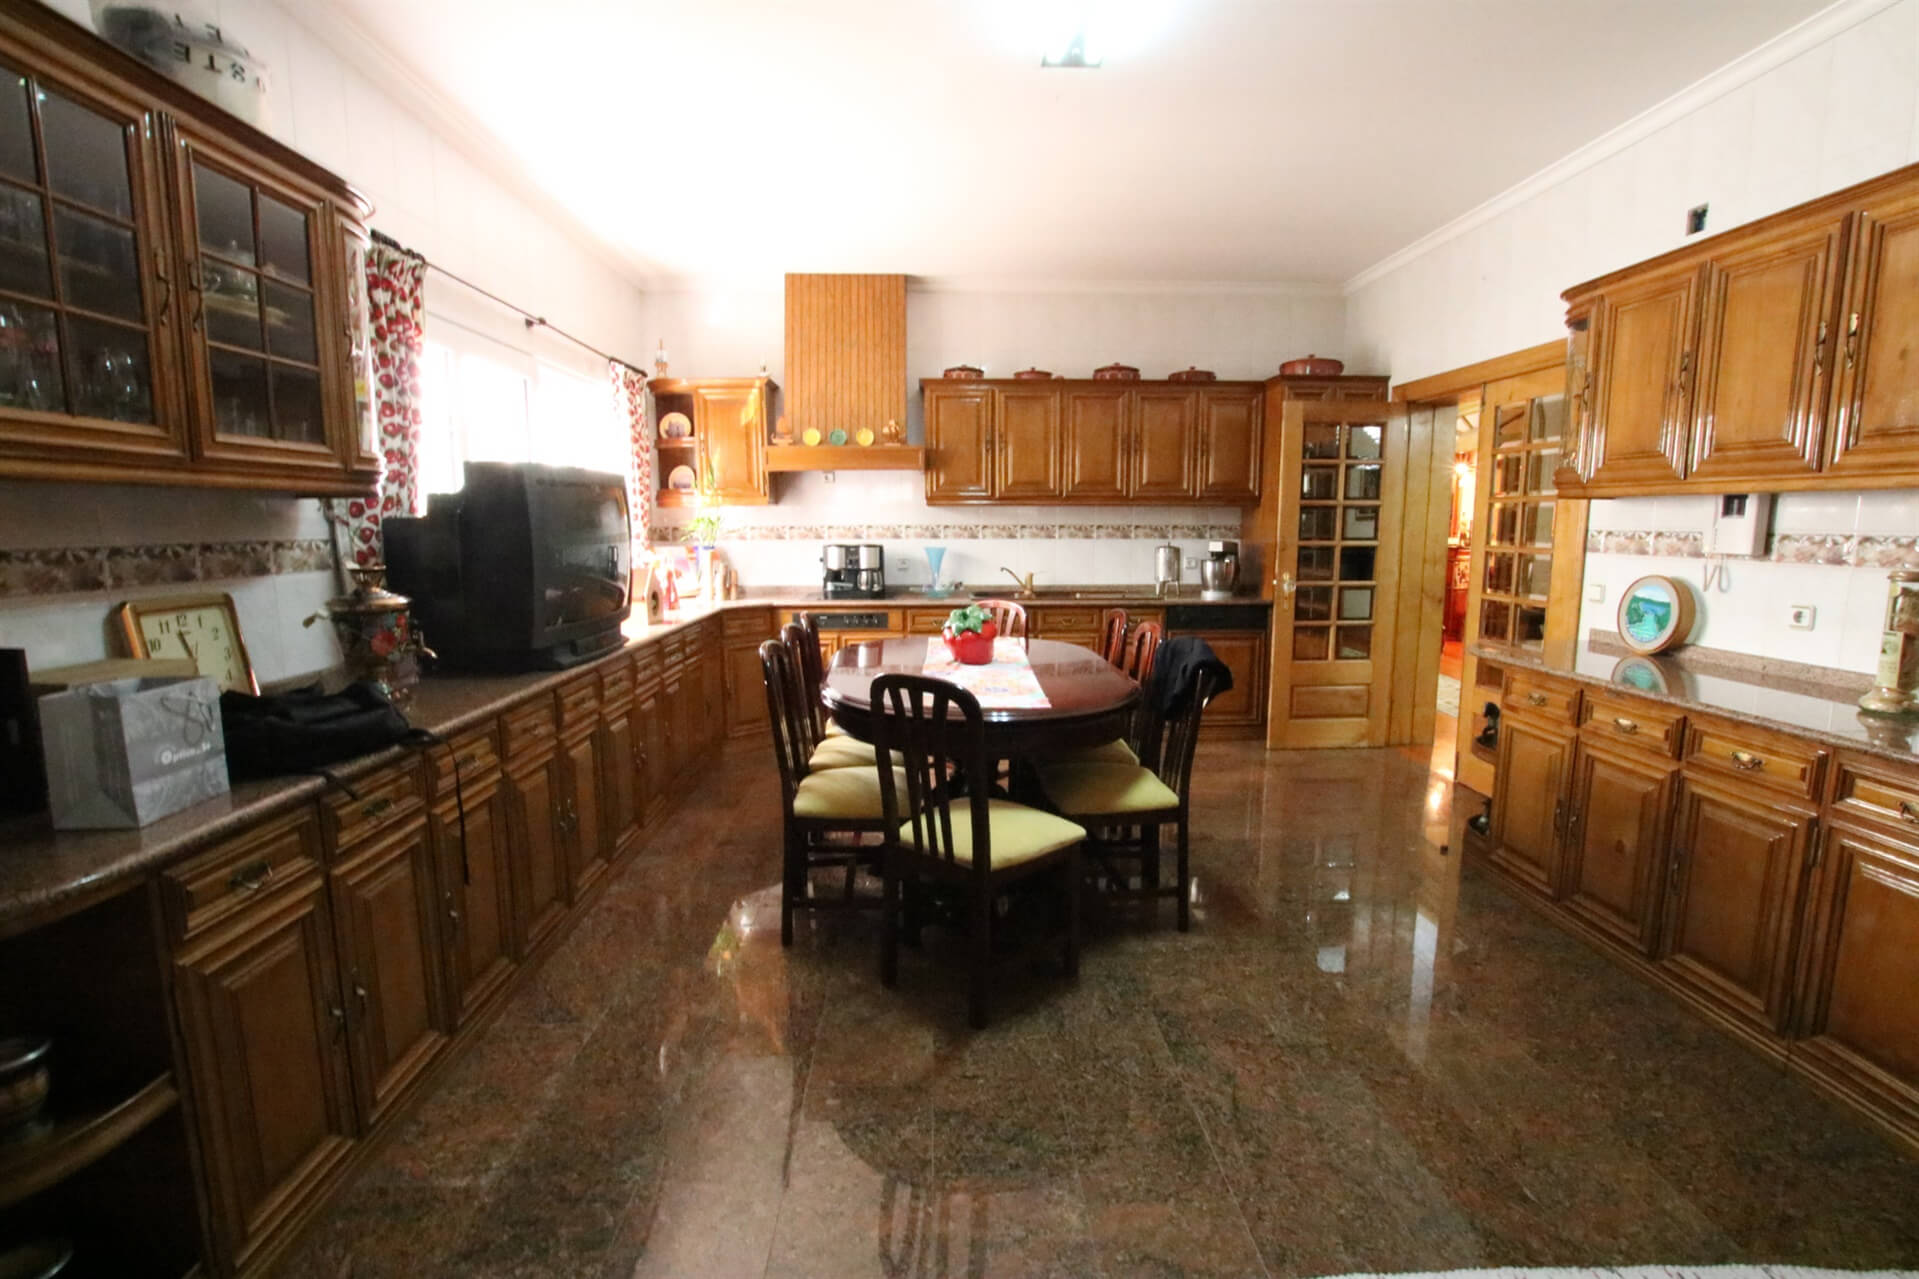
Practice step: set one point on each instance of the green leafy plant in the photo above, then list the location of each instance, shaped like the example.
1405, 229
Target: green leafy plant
702, 530
969, 617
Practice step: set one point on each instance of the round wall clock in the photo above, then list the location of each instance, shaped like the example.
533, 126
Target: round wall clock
204, 628
1655, 613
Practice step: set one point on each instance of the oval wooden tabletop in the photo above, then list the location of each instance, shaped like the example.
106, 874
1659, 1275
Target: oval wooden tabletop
1088, 696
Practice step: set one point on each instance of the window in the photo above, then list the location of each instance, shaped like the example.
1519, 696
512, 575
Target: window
485, 401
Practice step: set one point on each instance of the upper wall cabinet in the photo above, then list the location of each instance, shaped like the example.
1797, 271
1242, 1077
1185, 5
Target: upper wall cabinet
174, 301
1775, 357
1092, 442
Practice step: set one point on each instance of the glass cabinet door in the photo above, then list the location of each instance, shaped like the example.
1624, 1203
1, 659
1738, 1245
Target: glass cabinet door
84, 287
259, 318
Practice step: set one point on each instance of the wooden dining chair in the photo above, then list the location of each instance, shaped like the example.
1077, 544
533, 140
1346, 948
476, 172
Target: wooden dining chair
969, 842
1142, 646
1009, 618
825, 813
823, 749
1124, 806
815, 658
1112, 631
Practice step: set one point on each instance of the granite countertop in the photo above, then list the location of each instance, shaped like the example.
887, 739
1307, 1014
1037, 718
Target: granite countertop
1785, 696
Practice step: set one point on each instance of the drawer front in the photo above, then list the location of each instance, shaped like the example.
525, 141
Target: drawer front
647, 663
1066, 623
1792, 768
747, 623
616, 684
475, 753
673, 649
205, 889
1879, 793
377, 802
1541, 697
526, 728
579, 704
1629, 722
926, 621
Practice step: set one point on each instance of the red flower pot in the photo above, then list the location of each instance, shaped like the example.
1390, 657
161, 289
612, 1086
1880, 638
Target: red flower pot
971, 648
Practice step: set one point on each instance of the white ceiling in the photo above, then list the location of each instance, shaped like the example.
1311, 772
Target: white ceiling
1254, 141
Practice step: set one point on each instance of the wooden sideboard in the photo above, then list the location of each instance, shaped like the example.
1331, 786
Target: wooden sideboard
1768, 879
187, 294
1777, 356
239, 1017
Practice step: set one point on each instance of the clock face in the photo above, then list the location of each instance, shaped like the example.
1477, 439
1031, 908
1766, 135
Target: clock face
205, 633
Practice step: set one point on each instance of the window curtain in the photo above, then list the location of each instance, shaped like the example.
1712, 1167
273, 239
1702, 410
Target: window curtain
396, 320
629, 389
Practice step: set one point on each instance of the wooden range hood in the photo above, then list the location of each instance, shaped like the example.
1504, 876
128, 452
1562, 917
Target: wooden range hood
845, 369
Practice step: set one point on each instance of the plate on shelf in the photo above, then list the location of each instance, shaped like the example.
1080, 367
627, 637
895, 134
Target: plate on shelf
676, 426
680, 479
837, 436
864, 436
811, 435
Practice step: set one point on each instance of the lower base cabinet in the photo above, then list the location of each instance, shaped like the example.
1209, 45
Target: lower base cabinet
1244, 653
476, 895
582, 830
1735, 872
534, 789
385, 900
1535, 761
265, 1030
1615, 842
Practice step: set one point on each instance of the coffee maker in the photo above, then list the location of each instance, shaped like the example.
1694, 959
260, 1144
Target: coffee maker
1219, 571
853, 572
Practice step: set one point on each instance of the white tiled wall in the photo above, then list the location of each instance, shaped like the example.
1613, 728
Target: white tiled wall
1745, 609
1837, 113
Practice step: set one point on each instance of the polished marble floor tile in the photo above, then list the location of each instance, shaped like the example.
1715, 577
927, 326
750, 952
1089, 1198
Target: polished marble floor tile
1364, 1057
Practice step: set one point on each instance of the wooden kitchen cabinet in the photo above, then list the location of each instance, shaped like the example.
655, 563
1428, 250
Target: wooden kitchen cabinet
619, 780
534, 789
1759, 414
1612, 869
745, 689
1026, 444
385, 910
726, 452
264, 1028
582, 825
1642, 373
1856, 1009
1229, 445
476, 892
1874, 430
180, 278
959, 442
1096, 445
1529, 805
1165, 427
1735, 874
1244, 653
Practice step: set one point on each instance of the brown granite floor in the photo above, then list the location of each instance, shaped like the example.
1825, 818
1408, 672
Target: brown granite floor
1358, 1060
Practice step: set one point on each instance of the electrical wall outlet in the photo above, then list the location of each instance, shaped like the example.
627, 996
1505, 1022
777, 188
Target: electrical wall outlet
1192, 561
1800, 616
1596, 592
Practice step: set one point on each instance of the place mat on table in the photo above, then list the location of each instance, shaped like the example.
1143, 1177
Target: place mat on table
1005, 683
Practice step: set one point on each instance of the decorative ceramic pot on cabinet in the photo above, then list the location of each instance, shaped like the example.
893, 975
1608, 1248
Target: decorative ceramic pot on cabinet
1033, 375
964, 372
1312, 366
1191, 374
1116, 373
377, 639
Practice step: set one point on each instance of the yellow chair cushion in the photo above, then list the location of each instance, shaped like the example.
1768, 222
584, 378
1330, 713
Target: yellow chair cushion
1105, 788
1113, 752
845, 752
844, 794
1018, 833
833, 729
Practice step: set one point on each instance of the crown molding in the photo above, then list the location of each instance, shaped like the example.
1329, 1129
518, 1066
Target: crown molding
1774, 53
340, 30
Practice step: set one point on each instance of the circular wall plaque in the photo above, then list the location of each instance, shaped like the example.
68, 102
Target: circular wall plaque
1655, 613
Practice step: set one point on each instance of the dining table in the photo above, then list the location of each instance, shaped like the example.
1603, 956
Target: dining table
1073, 699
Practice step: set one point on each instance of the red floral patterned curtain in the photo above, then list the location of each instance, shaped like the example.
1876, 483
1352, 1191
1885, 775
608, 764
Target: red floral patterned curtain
629, 388
396, 312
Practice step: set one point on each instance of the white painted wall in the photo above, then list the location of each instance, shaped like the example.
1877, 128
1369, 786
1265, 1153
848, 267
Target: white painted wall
1807, 115
429, 194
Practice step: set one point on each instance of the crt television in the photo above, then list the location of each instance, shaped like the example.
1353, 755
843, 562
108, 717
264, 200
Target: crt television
525, 568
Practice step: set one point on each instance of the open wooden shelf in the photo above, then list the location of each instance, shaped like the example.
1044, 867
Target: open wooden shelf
29, 1166
845, 457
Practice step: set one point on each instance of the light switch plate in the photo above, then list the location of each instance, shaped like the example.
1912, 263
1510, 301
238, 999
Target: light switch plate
1596, 592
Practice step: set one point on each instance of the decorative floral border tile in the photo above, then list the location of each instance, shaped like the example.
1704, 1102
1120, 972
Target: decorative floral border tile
671, 534
1850, 550
76, 570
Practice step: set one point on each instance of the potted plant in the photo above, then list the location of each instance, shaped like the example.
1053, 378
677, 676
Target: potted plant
969, 635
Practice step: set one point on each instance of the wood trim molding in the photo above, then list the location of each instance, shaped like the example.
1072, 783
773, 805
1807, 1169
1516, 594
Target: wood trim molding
1469, 378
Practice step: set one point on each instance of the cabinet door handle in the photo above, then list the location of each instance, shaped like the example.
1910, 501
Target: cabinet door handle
1624, 725
196, 285
1746, 760
469, 761
339, 1020
1537, 699
1909, 812
166, 285
374, 807
453, 916
252, 877
1559, 815
1684, 379
359, 993
1852, 339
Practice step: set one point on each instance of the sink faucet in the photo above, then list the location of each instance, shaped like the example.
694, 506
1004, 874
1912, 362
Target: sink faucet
1026, 591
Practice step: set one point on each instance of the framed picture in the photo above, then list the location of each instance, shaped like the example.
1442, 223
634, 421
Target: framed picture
1656, 613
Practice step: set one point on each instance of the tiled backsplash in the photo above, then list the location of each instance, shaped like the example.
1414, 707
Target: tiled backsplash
70, 553
1829, 551
779, 545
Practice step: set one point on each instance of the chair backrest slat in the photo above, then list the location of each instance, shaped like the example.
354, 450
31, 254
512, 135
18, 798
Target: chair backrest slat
915, 717
1178, 734
1009, 618
1112, 642
803, 637
790, 743
1141, 648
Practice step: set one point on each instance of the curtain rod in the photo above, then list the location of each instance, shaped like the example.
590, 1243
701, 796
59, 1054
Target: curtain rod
531, 320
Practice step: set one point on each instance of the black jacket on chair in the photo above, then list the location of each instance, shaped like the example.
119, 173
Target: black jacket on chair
1175, 669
